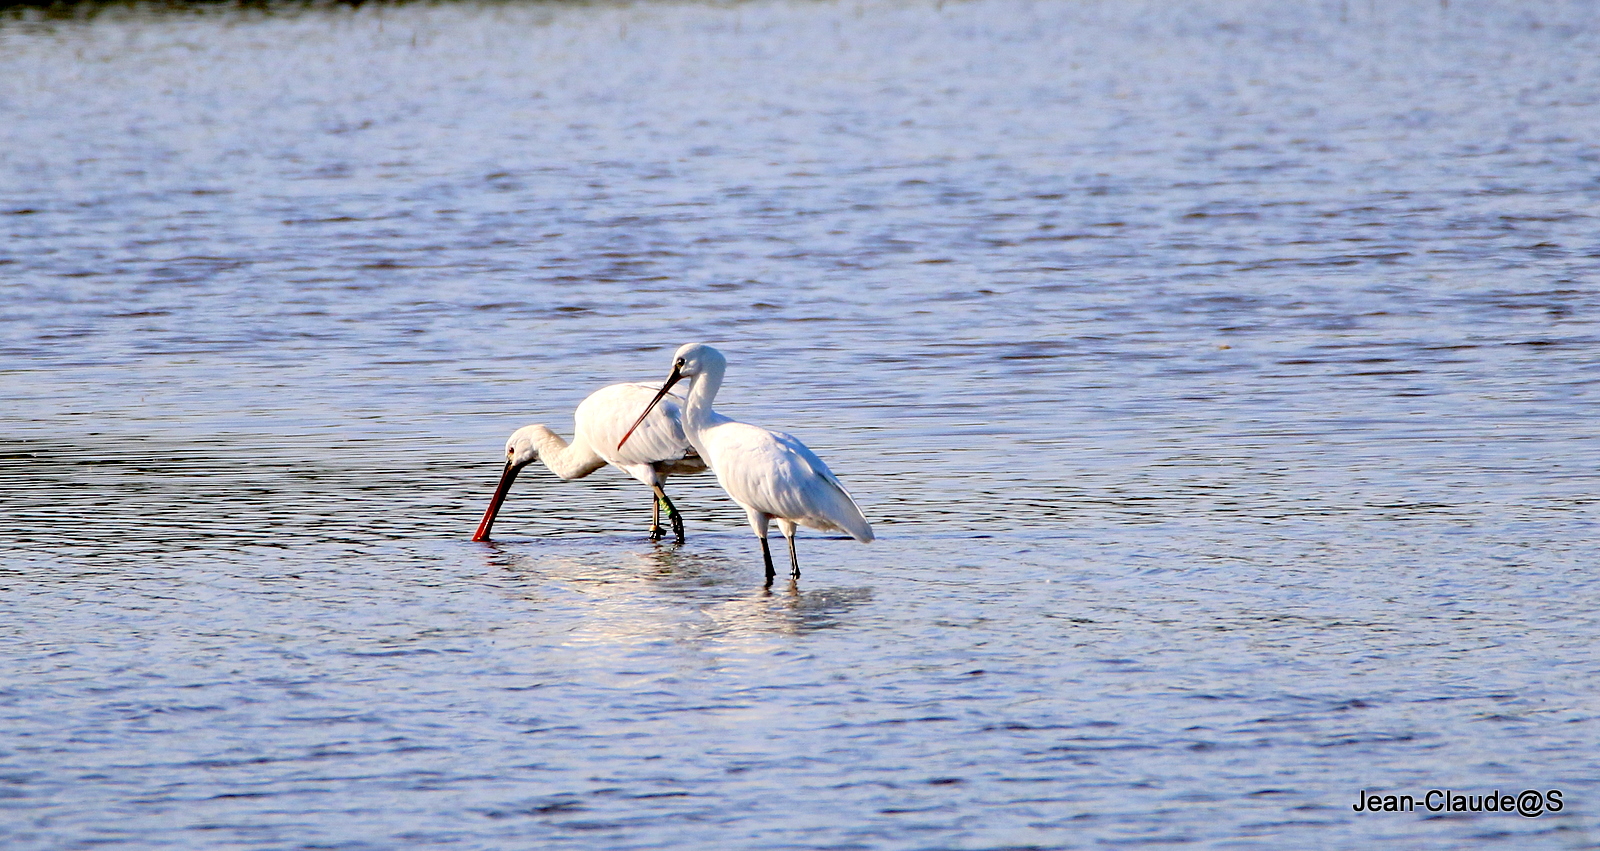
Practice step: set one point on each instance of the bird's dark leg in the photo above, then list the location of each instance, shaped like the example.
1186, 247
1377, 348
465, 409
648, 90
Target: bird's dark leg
766, 555
794, 560
655, 517
672, 513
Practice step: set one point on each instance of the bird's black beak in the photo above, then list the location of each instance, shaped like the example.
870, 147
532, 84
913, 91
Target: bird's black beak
506, 478
672, 379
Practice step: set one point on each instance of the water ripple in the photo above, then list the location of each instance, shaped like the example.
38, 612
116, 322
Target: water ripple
1218, 378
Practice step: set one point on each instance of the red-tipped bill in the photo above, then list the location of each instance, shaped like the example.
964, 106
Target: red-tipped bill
506, 478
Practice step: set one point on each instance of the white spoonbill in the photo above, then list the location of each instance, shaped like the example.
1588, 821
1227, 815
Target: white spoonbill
601, 421
770, 474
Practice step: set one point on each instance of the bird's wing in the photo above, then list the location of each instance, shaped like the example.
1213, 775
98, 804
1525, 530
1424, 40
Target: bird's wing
604, 418
842, 509
816, 465
775, 473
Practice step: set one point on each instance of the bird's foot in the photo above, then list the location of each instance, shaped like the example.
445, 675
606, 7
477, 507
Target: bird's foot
657, 533
676, 520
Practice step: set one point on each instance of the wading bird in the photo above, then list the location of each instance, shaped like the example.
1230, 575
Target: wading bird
601, 422
770, 474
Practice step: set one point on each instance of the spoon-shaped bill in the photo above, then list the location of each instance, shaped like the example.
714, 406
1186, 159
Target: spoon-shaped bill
506, 478
672, 379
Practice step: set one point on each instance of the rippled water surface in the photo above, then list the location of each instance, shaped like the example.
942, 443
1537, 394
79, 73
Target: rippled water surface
1219, 377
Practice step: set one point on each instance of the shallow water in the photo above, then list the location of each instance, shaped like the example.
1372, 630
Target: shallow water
1219, 380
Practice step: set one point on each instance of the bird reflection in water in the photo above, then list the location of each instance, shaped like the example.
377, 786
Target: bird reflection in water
668, 593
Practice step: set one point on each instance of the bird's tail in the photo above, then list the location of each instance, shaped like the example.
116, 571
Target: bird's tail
854, 523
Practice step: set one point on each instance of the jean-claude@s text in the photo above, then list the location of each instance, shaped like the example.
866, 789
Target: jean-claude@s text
1531, 803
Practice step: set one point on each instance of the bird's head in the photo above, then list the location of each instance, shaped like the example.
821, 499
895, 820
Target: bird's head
521, 450
694, 359
689, 361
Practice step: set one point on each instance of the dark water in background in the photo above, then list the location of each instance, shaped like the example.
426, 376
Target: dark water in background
1220, 380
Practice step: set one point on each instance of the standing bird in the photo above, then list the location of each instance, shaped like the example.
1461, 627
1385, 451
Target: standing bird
660, 450
770, 474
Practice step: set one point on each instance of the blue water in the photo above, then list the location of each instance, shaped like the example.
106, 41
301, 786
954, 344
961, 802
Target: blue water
1218, 379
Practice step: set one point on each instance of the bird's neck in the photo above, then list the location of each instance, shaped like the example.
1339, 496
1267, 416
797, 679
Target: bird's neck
697, 412
567, 460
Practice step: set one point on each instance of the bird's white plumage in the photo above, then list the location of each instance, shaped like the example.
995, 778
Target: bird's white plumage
602, 419
770, 474
659, 447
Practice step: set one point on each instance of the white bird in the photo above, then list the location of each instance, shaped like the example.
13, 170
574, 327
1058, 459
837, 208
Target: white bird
601, 421
770, 474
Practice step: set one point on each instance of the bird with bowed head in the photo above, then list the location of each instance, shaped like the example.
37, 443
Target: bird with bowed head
659, 450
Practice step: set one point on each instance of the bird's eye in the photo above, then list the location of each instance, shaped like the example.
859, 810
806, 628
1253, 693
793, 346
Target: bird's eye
680, 363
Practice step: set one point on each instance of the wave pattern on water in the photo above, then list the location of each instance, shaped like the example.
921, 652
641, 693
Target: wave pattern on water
1220, 380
